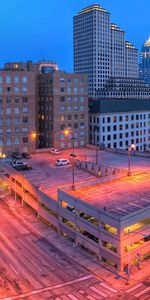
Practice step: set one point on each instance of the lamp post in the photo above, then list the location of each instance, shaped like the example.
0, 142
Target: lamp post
96, 156
73, 157
130, 149
145, 235
66, 133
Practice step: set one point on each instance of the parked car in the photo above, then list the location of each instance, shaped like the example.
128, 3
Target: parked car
16, 155
54, 151
26, 155
62, 162
20, 166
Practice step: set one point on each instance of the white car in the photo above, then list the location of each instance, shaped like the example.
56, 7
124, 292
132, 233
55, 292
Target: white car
62, 162
54, 151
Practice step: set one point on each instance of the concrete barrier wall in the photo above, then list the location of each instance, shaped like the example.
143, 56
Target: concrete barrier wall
98, 170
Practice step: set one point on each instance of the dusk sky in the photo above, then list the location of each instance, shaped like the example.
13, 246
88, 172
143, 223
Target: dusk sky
35, 29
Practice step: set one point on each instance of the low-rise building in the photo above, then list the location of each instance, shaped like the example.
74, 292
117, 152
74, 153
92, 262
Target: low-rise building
118, 123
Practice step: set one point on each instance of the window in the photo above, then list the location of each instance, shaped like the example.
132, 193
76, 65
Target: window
81, 90
24, 90
17, 141
25, 119
24, 79
16, 79
62, 108
8, 79
69, 90
62, 118
17, 130
8, 110
62, 99
8, 131
25, 129
8, 99
16, 121
8, 142
1, 90
17, 100
75, 90
25, 140
75, 99
81, 107
1, 79
81, 99
25, 110
24, 99
16, 90
17, 110
69, 99
8, 121
1, 131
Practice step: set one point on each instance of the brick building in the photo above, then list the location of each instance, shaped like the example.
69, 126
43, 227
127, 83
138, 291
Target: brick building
62, 103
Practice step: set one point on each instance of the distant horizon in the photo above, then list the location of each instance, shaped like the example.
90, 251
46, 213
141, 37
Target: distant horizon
35, 31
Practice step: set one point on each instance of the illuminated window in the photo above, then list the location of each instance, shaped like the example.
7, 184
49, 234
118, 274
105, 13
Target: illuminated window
109, 228
137, 226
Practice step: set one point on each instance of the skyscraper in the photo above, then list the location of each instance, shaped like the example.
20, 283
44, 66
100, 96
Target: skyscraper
145, 62
92, 46
100, 49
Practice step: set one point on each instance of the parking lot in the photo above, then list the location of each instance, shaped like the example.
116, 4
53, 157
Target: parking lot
48, 177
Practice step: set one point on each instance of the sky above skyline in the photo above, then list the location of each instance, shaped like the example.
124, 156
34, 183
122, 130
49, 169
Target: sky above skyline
35, 29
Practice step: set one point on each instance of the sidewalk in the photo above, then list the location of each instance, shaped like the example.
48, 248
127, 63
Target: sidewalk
80, 256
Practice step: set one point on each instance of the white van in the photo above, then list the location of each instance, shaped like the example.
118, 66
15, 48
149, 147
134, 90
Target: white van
62, 162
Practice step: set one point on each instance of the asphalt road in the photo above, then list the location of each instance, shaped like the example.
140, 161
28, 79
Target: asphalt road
32, 266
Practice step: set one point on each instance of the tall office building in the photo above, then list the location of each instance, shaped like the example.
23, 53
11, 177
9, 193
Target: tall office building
92, 46
145, 62
117, 51
131, 61
100, 49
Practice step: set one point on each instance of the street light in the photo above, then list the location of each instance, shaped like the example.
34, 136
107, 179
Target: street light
96, 156
130, 149
66, 133
138, 255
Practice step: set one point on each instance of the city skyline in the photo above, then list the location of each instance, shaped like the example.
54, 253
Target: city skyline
35, 31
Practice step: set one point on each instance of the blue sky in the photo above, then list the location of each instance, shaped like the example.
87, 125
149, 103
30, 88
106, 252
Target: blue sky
43, 29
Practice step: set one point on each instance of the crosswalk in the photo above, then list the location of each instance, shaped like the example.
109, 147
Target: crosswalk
103, 290
140, 289
97, 291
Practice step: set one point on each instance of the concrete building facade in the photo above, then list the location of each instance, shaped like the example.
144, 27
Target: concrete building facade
118, 123
62, 104
114, 228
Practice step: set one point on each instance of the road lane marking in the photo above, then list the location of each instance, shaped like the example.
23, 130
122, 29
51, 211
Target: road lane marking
108, 287
142, 292
90, 297
72, 297
98, 291
134, 288
14, 269
50, 288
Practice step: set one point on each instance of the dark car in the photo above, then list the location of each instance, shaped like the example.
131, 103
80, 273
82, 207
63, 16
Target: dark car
16, 155
26, 155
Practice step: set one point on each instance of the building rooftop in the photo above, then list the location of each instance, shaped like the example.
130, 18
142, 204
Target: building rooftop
120, 196
120, 105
